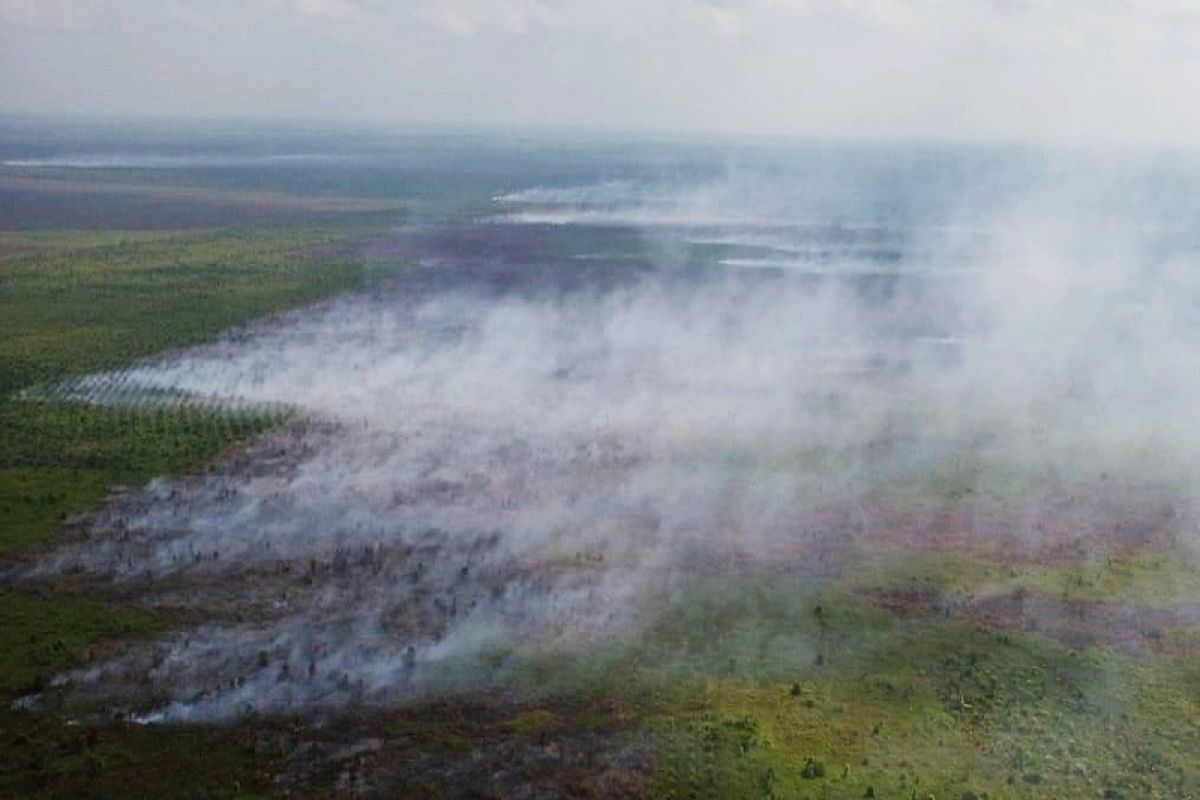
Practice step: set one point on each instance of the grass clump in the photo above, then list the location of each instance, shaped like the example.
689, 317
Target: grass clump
813, 769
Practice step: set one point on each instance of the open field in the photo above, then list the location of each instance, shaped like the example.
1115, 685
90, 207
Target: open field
78, 302
38, 202
599, 492
97, 304
74, 309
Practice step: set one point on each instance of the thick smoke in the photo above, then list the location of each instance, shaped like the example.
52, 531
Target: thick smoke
520, 445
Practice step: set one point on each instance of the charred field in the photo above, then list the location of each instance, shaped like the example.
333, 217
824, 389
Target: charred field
606, 476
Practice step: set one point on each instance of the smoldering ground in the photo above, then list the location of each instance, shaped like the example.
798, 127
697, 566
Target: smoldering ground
558, 419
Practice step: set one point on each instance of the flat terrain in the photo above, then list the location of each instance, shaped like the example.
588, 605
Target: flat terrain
966, 629
54, 202
77, 301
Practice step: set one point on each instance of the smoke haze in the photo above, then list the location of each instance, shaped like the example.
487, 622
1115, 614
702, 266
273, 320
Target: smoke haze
569, 410
1066, 71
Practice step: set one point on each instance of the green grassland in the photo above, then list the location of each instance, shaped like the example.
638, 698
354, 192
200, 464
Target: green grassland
61, 458
925, 708
790, 690
742, 688
77, 302
103, 302
774, 687
101, 305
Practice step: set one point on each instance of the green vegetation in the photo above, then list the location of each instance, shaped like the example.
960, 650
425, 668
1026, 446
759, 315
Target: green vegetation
101, 306
78, 303
61, 458
1151, 578
101, 302
39, 639
900, 708
775, 689
744, 688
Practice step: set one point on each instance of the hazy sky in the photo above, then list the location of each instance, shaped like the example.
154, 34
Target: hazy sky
1100, 71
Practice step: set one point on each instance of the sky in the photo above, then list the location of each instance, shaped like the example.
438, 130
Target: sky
1107, 72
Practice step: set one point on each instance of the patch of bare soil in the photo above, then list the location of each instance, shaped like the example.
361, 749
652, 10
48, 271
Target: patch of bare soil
1128, 628
486, 747
1057, 524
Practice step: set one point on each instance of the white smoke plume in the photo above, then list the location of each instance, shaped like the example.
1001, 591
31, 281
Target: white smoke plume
501, 453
